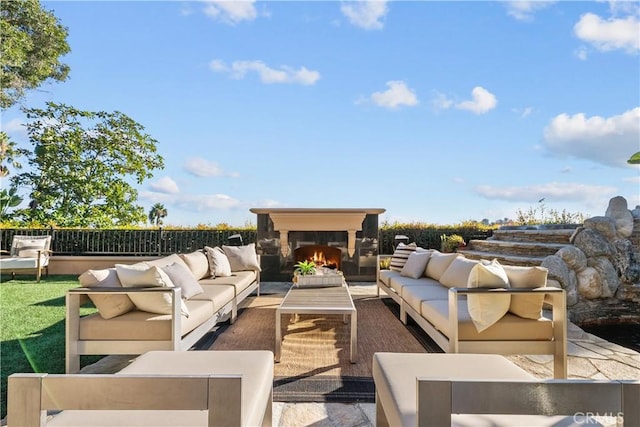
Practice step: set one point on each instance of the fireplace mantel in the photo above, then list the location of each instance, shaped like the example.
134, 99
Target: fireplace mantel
321, 219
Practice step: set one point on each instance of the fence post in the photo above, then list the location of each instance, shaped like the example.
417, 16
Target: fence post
159, 241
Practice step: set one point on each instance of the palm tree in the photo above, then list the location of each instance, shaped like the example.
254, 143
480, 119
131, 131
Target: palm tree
156, 213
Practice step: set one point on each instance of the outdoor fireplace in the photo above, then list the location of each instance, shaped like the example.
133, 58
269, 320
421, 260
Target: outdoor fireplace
321, 255
348, 239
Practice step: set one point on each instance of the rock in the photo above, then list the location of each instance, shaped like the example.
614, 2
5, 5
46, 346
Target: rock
636, 212
558, 270
620, 213
593, 244
571, 294
610, 279
625, 261
573, 257
590, 283
602, 224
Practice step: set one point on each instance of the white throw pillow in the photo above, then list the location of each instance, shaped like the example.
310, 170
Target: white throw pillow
457, 273
528, 306
242, 257
182, 278
438, 264
415, 265
143, 276
108, 305
400, 256
485, 310
198, 264
218, 262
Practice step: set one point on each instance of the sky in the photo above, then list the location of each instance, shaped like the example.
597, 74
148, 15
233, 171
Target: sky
437, 111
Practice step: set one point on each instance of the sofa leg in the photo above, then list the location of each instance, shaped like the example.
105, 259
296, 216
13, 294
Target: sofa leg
381, 418
403, 314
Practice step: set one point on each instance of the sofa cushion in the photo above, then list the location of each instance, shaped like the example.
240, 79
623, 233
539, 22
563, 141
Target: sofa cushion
438, 264
416, 264
108, 306
198, 264
182, 278
485, 310
167, 260
527, 306
400, 282
219, 295
509, 328
415, 295
242, 257
386, 275
457, 273
400, 256
142, 276
240, 280
219, 265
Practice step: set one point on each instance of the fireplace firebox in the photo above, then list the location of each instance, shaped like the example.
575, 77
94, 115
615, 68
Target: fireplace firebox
347, 239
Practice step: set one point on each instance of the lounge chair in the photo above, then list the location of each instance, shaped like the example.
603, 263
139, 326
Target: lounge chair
27, 254
489, 390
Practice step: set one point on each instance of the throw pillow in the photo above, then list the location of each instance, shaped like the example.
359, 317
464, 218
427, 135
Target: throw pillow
400, 256
415, 265
218, 262
198, 263
29, 248
182, 278
485, 310
438, 264
457, 273
242, 257
142, 276
528, 306
108, 306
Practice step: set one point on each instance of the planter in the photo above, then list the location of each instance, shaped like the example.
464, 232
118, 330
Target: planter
314, 280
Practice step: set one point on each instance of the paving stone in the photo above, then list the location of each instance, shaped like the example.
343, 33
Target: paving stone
596, 348
346, 415
577, 350
616, 370
277, 408
369, 409
581, 368
305, 414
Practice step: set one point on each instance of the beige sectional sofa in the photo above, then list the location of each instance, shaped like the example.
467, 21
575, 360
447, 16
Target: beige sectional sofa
142, 307
478, 306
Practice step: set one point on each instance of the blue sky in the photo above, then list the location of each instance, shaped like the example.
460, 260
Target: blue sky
439, 112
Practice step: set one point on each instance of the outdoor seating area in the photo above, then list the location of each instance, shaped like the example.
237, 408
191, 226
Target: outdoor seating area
28, 254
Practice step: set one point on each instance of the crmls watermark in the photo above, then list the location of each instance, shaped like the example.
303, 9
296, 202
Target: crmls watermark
595, 418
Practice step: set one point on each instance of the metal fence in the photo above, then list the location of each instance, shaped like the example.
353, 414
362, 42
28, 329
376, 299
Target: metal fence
162, 242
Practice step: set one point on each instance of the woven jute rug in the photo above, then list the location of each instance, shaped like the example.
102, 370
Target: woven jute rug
314, 364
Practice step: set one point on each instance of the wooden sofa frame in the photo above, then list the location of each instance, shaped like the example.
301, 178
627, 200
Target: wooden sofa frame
75, 347
31, 395
555, 298
438, 399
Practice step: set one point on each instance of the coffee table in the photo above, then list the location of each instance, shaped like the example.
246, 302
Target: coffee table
329, 300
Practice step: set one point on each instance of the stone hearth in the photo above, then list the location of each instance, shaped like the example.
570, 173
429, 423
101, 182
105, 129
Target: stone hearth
282, 231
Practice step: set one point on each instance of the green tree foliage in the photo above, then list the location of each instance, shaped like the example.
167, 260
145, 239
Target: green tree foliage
635, 159
8, 199
81, 166
33, 40
157, 213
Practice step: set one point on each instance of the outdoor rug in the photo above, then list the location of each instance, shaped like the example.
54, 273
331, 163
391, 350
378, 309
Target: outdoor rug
314, 365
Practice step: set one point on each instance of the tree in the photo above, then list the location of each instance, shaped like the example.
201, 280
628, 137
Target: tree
81, 166
33, 40
635, 159
157, 212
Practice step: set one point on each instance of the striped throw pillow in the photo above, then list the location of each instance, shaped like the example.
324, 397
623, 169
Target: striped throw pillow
400, 256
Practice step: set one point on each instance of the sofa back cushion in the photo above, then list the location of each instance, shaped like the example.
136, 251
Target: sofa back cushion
438, 264
242, 258
527, 306
485, 310
401, 255
416, 264
198, 264
457, 273
182, 278
108, 306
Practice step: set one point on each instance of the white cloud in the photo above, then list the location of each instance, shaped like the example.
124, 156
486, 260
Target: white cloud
524, 10
581, 53
551, 192
366, 14
482, 102
207, 202
441, 102
610, 34
164, 185
231, 12
605, 140
524, 112
633, 179
398, 94
204, 168
286, 74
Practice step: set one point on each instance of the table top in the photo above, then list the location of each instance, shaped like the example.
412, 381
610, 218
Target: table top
329, 298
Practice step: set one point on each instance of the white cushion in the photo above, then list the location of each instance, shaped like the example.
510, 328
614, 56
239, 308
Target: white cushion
28, 246
143, 276
438, 264
416, 264
242, 257
485, 310
218, 262
457, 273
400, 256
198, 263
182, 278
108, 305
527, 306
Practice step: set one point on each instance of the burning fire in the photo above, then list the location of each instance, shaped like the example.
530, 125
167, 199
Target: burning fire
320, 260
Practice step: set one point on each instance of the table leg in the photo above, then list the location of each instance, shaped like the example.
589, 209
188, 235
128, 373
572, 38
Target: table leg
278, 335
354, 336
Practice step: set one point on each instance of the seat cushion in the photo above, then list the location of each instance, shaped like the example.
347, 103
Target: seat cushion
240, 280
23, 263
429, 290
386, 275
219, 295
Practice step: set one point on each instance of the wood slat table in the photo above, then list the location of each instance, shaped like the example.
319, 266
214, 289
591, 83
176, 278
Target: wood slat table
329, 300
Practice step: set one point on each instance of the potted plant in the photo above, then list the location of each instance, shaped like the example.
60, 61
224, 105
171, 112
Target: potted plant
451, 242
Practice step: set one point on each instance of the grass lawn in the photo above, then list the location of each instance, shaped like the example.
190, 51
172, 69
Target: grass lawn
32, 326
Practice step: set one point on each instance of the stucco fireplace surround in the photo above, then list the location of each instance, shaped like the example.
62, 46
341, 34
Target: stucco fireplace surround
282, 231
